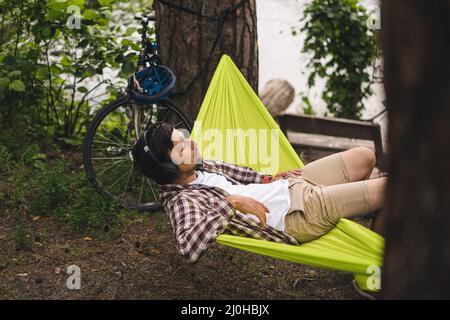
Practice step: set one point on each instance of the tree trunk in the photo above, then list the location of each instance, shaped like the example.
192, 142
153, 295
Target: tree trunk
416, 40
192, 45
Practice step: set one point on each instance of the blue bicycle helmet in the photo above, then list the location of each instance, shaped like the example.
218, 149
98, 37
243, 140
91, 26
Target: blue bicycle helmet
152, 84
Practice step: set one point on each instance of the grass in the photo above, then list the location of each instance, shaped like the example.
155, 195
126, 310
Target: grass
50, 189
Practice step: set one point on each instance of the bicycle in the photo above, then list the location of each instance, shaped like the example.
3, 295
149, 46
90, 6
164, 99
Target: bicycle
107, 146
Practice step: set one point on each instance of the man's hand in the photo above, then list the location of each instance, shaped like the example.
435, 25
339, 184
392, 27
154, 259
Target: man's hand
250, 206
281, 175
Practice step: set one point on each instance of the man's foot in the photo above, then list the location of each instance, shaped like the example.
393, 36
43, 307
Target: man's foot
362, 293
377, 224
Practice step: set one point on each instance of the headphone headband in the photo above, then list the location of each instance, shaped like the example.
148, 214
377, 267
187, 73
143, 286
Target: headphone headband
168, 169
147, 149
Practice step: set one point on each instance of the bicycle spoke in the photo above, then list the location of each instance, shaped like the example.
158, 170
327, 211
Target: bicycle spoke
121, 130
151, 188
107, 142
109, 167
110, 158
102, 149
165, 117
110, 141
128, 180
142, 187
111, 176
112, 135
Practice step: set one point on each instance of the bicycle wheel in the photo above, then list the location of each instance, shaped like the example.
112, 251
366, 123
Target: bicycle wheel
107, 150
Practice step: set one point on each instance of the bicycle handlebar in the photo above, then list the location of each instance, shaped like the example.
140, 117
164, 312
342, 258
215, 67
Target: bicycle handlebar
144, 17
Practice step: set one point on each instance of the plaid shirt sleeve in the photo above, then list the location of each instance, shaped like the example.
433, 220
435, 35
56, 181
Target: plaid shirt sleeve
243, 174
196, 226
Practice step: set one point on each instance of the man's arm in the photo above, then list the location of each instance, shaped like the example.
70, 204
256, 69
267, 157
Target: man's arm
196, 227
249, 206
242, 174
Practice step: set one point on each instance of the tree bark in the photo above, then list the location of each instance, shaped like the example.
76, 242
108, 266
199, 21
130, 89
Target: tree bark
192, 45
416, 44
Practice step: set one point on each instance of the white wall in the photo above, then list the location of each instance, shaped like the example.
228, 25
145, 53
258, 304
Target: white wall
280, 55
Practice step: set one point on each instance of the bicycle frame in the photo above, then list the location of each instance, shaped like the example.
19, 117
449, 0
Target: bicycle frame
148, 55
149, 51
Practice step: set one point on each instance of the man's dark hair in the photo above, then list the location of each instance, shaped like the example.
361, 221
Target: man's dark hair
159, 140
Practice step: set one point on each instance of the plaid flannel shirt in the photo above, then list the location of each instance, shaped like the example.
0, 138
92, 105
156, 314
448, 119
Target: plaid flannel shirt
199, 213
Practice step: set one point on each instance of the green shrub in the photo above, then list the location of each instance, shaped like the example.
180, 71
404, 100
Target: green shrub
52, 189
73, 200
89, 210
6, 163
23, 240
52, 74
342, 48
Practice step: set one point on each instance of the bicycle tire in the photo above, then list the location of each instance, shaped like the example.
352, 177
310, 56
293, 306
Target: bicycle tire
89, 138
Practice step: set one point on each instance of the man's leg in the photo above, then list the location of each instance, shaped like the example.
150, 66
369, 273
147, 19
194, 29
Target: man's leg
347, 166
342, 195
354, 199
359, 162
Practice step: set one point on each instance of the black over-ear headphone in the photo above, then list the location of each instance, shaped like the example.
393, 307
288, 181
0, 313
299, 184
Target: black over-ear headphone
169, 169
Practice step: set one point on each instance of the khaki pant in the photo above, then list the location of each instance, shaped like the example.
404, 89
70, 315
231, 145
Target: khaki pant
321, 196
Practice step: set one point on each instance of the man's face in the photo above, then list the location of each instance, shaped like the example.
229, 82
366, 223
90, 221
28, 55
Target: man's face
185, 153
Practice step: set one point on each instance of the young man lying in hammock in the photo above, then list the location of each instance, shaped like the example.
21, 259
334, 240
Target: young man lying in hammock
205, 198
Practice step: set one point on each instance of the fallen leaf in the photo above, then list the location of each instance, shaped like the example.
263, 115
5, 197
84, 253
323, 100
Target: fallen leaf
35, 218
87, 239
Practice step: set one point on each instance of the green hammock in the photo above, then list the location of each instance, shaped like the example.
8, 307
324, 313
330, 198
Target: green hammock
230, 103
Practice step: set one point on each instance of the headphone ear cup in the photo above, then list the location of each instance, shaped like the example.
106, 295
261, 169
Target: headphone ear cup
170, 170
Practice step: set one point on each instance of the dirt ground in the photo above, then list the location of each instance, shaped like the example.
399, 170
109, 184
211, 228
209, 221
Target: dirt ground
142, 263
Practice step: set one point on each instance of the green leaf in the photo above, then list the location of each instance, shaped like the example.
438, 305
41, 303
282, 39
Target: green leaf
15, 73
72, 141
39, 156
58, 5
130, 31
128, 67
101, 22
90, 14
17, 85
46, 32
105, 3
55, 70
66, 61
126, 42
82, 89
108, 14
42, 73
4, 83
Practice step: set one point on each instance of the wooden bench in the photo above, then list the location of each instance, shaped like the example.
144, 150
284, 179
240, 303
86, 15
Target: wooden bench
334, 127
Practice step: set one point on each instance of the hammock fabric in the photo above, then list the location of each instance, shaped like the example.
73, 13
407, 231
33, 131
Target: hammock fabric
231, 103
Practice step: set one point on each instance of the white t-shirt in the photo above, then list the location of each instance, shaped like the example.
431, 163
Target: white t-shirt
274, 195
